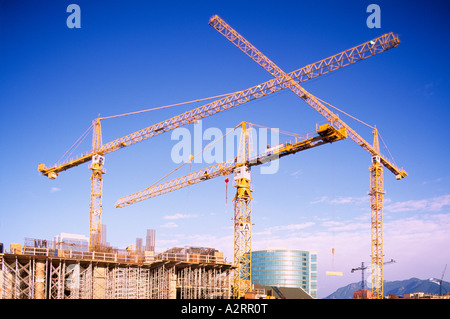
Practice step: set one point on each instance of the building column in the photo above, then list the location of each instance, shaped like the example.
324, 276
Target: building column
39, 292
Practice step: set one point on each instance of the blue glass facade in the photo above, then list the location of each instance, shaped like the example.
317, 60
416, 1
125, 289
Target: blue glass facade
286, 268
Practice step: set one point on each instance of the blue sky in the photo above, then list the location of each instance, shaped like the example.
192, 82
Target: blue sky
134, 55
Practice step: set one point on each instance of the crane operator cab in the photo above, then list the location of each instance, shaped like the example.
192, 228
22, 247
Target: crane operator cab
242, 172
98, 159
97, 163
376, 159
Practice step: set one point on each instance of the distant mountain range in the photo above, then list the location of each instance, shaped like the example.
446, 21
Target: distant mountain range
400, 287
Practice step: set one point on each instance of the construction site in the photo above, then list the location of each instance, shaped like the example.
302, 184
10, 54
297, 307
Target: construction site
45, 270
34, 271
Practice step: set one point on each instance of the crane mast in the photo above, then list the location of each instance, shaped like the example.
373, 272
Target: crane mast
363, 268
376, 207
243, 217
95, 207
441, 280
241, 167
376, 170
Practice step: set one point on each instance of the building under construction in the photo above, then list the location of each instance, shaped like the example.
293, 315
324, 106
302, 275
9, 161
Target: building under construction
30, 272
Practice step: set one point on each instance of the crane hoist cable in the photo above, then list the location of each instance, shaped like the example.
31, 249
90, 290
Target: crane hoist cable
362, 122
355, 118
333, 272
76, 144
167, 106
85, 134
273, 129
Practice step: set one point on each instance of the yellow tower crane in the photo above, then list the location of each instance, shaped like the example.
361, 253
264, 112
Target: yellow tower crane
243, 216
241, 167
376, 172
99, 150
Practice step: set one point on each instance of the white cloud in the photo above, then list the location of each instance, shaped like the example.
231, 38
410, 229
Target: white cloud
350, 200
319, 200
437, 180
167, 242
55, 189
359, 223
288, 227
297, 173
434, 204
179, 216
170, 225
341, 200
332, 223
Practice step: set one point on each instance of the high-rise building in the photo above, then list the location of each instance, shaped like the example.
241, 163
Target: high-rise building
150, 240
285, 268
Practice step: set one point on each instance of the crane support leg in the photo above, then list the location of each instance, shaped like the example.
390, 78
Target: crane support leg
376, 205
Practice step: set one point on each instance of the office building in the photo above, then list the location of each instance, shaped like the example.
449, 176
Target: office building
285, 268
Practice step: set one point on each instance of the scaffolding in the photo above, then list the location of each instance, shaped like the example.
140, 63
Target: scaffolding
42, 273
203, 283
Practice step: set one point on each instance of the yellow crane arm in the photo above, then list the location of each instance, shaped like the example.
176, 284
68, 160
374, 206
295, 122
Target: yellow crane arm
308, 72
325, 134
210, 172
375, 46
311, 71
52, 172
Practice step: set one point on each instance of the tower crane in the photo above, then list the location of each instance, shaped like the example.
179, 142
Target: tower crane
241, 167
442, 279
376, 170
99, 150
363, 268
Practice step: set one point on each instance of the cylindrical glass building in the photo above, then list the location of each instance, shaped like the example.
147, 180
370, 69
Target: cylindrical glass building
286, 268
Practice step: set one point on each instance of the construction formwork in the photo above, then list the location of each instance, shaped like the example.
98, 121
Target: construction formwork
44, 276
202, 283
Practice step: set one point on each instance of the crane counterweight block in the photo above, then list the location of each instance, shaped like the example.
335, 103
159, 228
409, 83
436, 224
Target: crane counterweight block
46, 171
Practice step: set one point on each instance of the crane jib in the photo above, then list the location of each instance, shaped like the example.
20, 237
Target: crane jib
382, 43
311, 71
308, 72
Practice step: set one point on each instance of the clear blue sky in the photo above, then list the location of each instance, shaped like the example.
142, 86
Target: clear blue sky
133, 55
